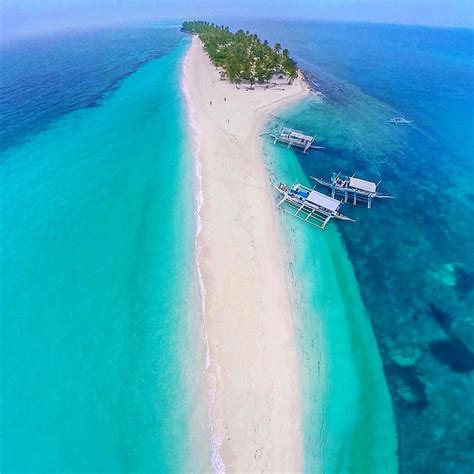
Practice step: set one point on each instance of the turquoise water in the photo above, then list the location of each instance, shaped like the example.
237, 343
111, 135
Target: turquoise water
348, 422
98, 283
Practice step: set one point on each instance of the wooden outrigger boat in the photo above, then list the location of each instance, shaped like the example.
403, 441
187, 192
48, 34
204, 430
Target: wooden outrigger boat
400, 121
294, 138
354, 189
309, 205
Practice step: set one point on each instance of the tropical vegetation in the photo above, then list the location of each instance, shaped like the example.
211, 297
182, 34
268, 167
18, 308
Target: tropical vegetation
242, 55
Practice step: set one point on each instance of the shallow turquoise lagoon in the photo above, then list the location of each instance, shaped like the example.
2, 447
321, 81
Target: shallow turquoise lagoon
98, 288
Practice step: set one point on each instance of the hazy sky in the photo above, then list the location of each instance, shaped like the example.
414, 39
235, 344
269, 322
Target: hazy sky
24, 17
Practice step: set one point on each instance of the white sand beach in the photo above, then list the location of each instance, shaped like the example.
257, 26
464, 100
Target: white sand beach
247, 317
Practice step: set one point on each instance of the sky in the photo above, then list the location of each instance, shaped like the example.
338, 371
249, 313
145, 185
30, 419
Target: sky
29, 17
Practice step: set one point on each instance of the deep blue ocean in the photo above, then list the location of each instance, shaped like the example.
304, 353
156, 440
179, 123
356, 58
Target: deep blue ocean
97, 261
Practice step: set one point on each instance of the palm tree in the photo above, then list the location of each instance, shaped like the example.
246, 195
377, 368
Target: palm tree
242, 54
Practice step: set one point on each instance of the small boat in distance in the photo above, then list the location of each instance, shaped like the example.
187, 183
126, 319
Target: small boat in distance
294, 138
309, 205
400, 121
356, 189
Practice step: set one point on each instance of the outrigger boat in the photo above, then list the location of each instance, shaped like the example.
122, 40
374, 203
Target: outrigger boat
356, 189
294, 138
400, 121
309, 205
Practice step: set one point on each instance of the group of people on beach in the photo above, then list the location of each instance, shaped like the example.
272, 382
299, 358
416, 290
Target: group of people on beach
225, 100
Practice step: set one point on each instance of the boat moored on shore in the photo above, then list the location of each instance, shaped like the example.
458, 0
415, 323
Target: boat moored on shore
310, 205
295, 138
353, 189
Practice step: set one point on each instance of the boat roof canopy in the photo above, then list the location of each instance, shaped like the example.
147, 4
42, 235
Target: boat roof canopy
322, 200
362, 184
301, 136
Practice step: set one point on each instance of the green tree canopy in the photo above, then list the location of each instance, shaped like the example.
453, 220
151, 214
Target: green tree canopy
242, 55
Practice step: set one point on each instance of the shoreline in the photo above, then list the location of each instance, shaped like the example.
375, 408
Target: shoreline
247, 318
341, 371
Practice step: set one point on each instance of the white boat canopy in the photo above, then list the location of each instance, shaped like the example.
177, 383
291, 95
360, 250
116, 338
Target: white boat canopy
363, 184
300, 136
319, 199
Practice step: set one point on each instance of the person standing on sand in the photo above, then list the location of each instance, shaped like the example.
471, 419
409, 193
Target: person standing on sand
210, 102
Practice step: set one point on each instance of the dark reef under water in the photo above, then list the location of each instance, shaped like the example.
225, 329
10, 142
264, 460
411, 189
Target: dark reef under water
47, 69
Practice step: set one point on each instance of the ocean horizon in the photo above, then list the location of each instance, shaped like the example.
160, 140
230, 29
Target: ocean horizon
103, 355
